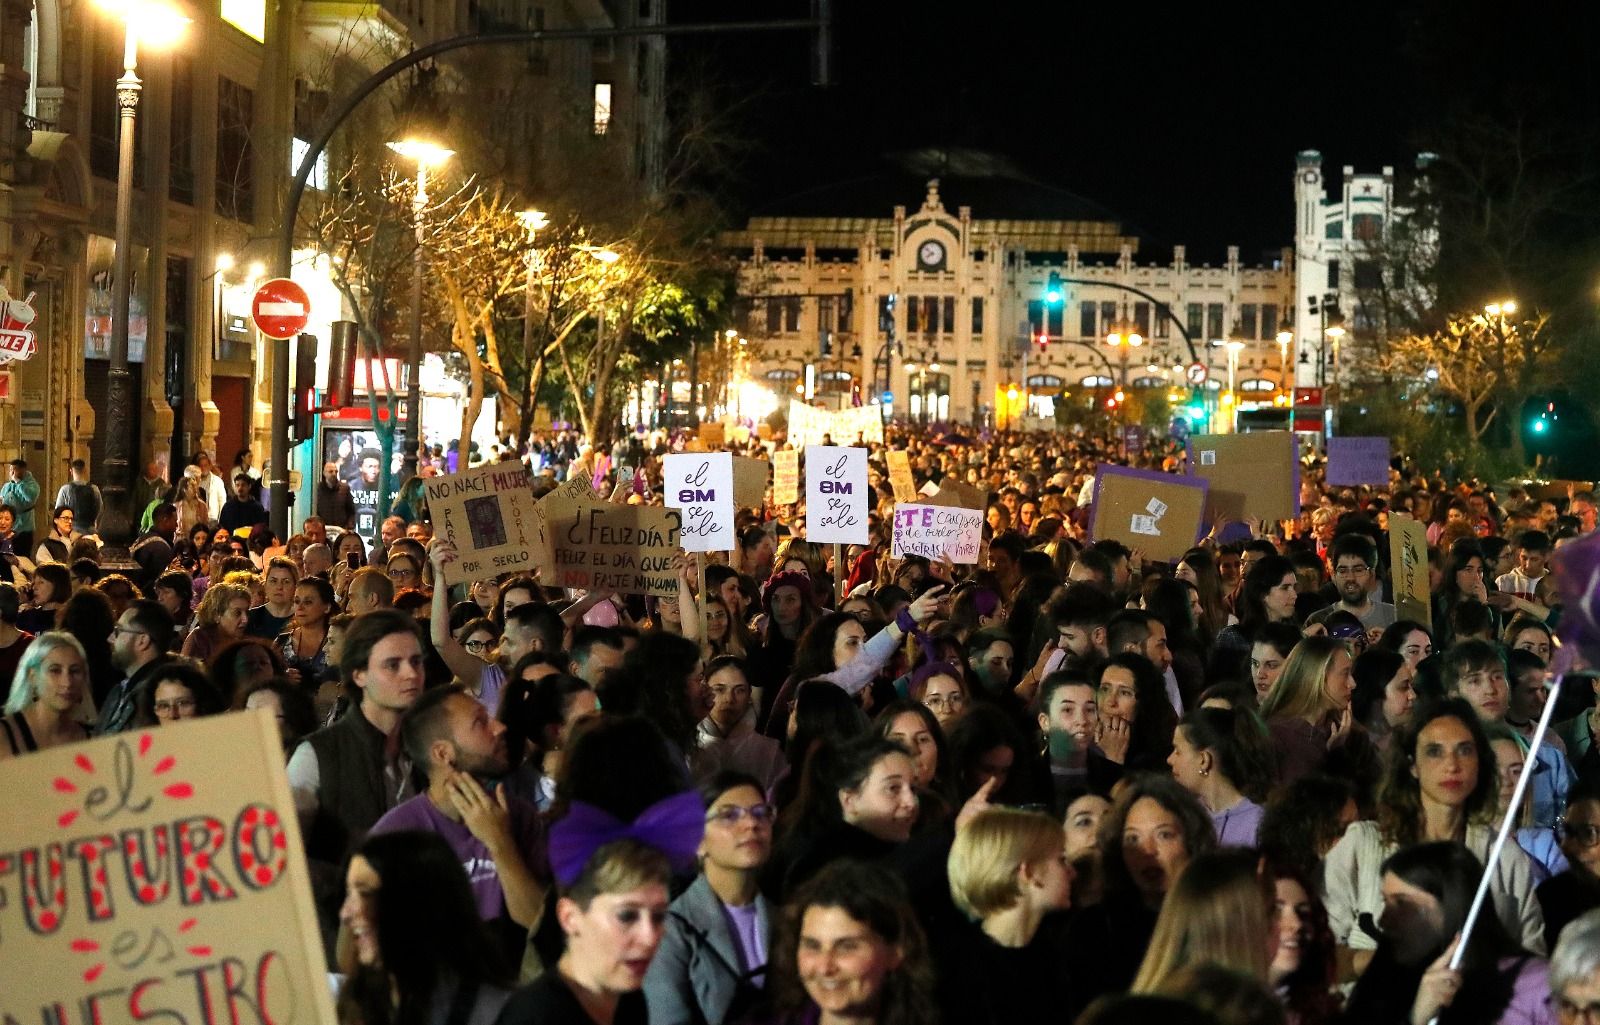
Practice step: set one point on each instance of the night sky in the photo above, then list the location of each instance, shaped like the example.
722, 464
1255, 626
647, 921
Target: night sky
1183, 120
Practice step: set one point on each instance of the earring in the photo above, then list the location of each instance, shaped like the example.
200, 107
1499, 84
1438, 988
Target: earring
1205, 772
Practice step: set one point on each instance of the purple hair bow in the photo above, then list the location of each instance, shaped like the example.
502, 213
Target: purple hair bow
673, 825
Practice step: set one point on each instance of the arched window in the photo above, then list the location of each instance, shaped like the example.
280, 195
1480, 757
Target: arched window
1097, 381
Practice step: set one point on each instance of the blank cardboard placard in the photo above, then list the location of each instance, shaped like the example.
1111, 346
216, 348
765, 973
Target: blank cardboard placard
623, 548
837, 497
785, 477
713, 435
702, 487
1256, 474
141, 870
1408, 569
952, 492
750, 482
488, 514
1355, 461
900, 479
1157, 513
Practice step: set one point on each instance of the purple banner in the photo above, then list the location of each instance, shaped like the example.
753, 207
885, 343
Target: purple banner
1356, 461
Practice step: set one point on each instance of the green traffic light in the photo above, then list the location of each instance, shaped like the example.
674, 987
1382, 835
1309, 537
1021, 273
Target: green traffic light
1539, 426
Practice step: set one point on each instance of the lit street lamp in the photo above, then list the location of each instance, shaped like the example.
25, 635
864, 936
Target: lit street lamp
426, 154
157, 25
1234, 348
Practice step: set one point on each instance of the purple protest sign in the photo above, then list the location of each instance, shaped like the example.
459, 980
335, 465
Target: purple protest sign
1356, 461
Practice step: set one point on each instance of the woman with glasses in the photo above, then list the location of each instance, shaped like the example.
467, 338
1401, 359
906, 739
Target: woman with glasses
1576, 891
942, 688
404, 570
712, 960
304, 644
177, 692
479, 636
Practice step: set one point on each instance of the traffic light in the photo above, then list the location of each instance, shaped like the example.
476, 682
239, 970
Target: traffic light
305, 373
1053, 292
1543, 423
1044, 341
1196, 412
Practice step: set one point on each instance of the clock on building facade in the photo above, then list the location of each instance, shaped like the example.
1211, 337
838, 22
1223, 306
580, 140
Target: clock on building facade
930, 255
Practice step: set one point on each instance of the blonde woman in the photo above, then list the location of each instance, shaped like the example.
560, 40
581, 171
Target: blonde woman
192, 508
219, 619
1308, 709
49, 703
1216, 912
1009, 874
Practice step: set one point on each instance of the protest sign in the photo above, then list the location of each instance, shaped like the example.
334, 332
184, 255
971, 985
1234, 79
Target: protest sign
938, 532
809, 425
837, 499
488, 513
623, 548
702, 487
1157, 513
749, 482
1256, 474
785, 477
1558, 489
900, 479
713, 435
1356, 461
952, 492
138, 882
1408, 569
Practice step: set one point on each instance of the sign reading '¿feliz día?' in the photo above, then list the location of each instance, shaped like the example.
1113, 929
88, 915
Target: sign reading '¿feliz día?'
139, 884
938, 532
837, 496
700, 485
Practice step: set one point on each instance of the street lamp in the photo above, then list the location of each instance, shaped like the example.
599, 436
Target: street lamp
1234, 348
426, 154
534, 221
157, 25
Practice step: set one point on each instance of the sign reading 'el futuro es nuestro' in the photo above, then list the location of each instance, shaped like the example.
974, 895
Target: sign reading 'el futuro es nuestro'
137, 885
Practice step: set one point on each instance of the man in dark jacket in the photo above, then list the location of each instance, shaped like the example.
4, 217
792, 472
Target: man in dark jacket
335, 505
243, 509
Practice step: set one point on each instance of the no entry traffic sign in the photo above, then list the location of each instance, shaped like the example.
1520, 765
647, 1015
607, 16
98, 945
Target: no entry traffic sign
280, 308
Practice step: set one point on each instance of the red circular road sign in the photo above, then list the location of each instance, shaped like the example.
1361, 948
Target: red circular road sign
1197, 373
280, 308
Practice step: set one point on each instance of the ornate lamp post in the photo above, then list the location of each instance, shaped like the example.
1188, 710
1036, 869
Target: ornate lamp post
427, 155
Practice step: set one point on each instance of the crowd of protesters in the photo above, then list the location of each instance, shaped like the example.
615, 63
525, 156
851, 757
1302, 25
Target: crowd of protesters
1065, 783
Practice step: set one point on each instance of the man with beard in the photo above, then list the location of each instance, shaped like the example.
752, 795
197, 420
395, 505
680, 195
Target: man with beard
139, 643
452, 737
1354, 557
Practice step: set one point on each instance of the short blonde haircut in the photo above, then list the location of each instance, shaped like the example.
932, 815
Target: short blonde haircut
988, 852
618, 867
216, 601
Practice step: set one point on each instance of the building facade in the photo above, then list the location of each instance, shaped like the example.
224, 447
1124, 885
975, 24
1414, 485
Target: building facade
223, 114
946, 315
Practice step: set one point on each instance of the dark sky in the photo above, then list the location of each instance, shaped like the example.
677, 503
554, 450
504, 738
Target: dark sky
1184, 120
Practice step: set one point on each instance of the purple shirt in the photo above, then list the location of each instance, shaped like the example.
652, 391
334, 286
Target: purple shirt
491, 682
1237, 826
419, 813
745, 924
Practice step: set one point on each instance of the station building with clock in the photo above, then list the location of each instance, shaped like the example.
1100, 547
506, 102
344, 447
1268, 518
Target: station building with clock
946, 305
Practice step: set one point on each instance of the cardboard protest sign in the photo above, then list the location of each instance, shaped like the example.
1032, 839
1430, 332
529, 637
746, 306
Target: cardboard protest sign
785, 477
808, 425
713, 435
864, 422
1254, 474
1557, 489
900, 479
488, 513
1356, 461
623, 548
138, 882
702, 487
837, 497
938, 532
1408, 569
1157, 513
750, 482
952, 492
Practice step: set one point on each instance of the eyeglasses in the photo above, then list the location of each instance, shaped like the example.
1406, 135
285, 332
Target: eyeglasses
476, 646
120, 629
175, 705
952, 702
733, 814
1568, 1011
1585, 835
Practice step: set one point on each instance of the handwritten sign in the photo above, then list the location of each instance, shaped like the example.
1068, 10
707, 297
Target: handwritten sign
139, 883
900, 479
1255, 474
809, 425
713, 435
1157, 513
750, 482
1356, 461
1408, 569
623, 548
937, 532
488, 513
785, 477
837, 499
702, 487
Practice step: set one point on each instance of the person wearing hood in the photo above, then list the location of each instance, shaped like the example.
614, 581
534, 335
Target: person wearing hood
726, 738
